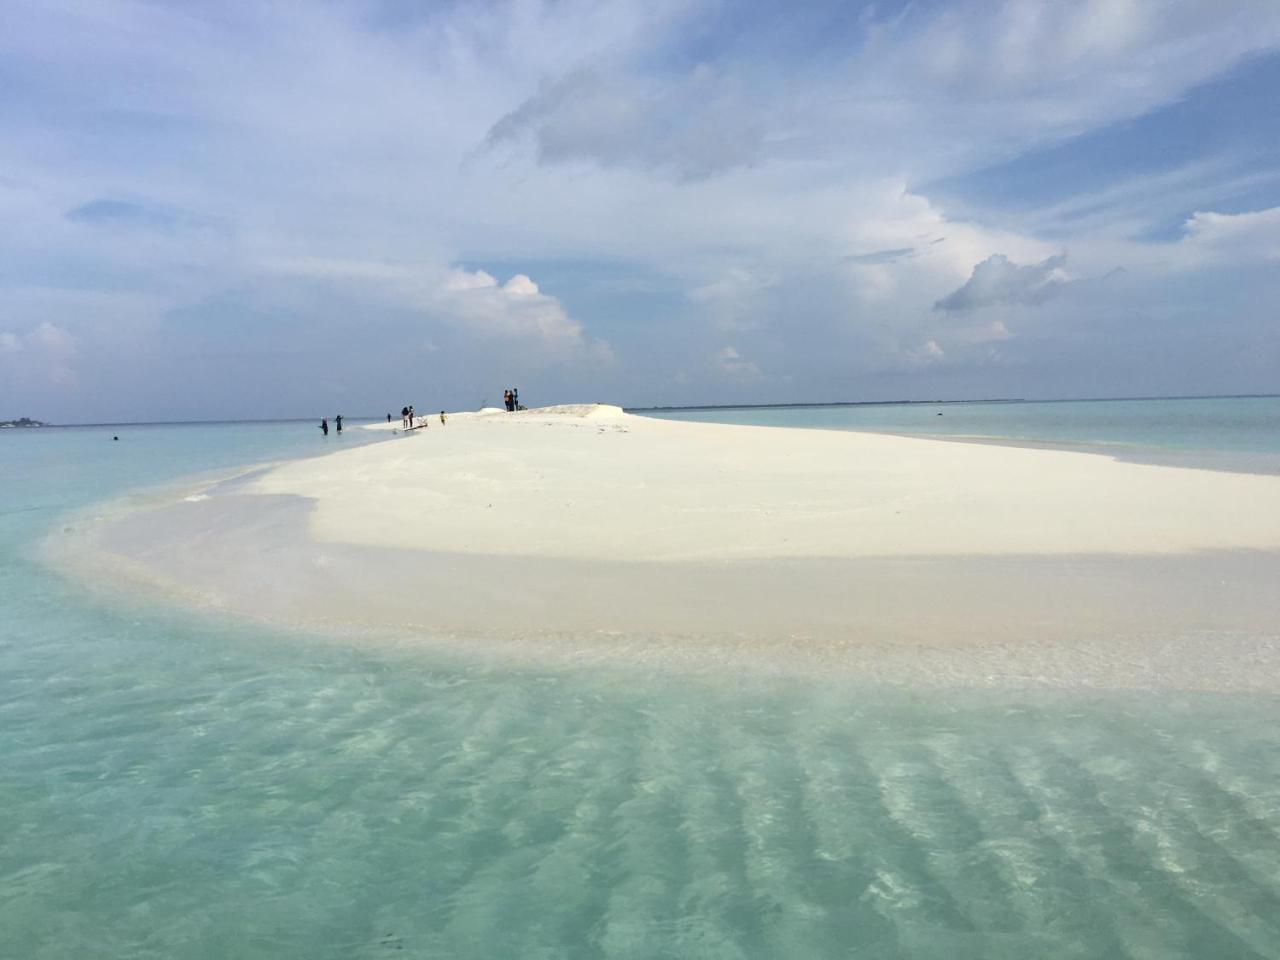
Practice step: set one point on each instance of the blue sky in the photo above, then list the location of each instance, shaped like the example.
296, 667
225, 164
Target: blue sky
245, 209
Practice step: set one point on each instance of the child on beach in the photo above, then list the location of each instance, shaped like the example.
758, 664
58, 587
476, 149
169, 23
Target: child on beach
442, 418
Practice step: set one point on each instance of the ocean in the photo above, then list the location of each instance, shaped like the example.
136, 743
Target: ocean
174, 784
1230, 433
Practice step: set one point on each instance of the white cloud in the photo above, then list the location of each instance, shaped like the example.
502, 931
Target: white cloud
1240, 236
1059, 66
998, 281
927, 353
463, 280
520, 286
694, 127
517, 309
52, 340
932, 87
903, 247
761, 177
472, 301
47, 352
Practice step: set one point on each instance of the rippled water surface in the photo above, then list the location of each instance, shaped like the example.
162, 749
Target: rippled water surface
174, 786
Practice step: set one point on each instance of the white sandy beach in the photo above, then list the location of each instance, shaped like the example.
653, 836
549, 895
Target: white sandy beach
593, 482
565, 528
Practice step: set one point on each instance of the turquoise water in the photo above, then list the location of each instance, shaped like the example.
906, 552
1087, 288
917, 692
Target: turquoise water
179, 786
1244, 430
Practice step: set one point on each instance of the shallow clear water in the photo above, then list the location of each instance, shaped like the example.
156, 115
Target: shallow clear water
1246, 427
177, 786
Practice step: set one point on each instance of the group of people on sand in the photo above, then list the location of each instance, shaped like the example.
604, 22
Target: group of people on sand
511, 399
408, 418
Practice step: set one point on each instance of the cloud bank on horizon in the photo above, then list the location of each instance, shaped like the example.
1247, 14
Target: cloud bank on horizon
294, 209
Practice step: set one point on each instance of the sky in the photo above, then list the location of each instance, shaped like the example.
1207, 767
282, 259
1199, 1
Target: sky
237, 209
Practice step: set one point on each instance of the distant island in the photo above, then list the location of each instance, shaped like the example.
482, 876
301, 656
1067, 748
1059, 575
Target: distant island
24, 422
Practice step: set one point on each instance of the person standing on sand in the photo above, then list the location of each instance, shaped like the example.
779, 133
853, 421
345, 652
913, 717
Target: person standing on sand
404, 417
515, 398
442, 418
411, 416
324, 427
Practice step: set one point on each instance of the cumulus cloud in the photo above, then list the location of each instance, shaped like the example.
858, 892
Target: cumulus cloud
748, 171
472, 302
998, 281
517, 309
1244, 236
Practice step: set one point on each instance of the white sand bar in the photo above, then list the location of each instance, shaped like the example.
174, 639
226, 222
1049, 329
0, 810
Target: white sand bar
583, 532
595, 483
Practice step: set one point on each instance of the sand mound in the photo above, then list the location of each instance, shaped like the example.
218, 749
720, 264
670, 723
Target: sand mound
592, 411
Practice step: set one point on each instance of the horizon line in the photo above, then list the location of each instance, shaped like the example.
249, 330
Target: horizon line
696, 406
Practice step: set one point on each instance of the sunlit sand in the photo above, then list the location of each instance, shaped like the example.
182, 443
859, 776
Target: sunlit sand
588, 530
